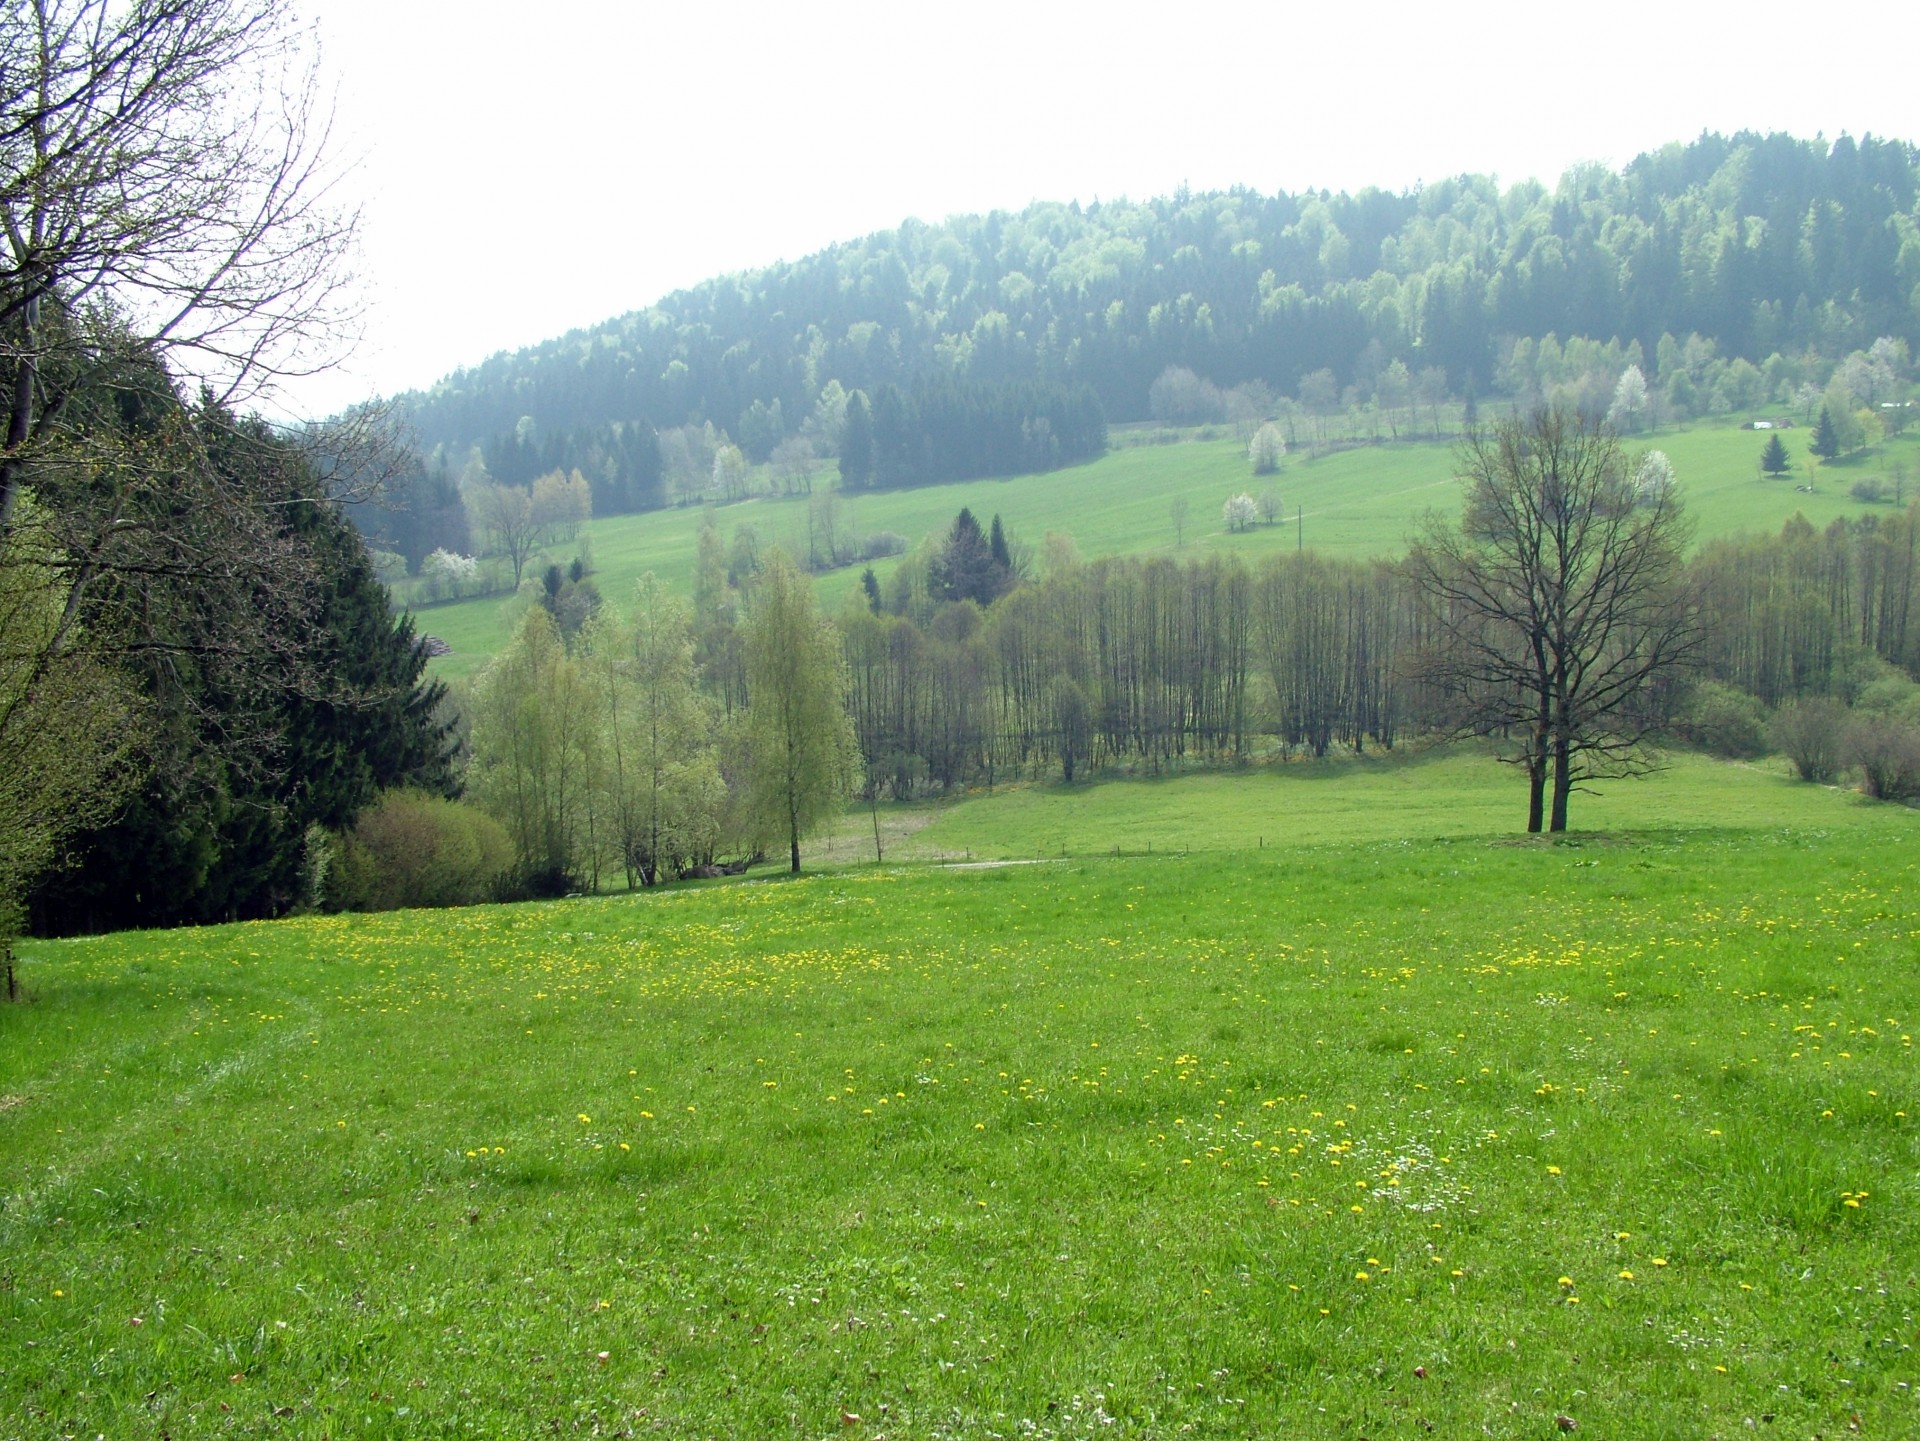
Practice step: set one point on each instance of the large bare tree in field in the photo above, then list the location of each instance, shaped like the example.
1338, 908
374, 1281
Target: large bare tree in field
1557, 606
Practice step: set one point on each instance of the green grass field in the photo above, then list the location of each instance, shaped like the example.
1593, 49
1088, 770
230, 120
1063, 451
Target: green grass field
1414, 794
1380, 1130
1356, 503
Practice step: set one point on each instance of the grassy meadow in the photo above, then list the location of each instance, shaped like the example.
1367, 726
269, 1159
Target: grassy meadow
1356, 503
1415, 793
1375, 1130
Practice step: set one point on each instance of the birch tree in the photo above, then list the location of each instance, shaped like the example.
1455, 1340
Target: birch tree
537, 754
803, 753
660, 768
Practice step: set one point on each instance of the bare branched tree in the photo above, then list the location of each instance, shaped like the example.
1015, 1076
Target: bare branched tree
505, 515
164, 179
1556, 608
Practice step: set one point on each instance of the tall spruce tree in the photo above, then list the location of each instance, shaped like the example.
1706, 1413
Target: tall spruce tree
1774, 459
968, 566
856, 444
1826, 436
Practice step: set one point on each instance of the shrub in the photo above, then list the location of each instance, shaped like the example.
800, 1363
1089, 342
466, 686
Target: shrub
414, 849
445, 575
883, 543
1893, 694
1886, 748
1724, 721
1811, 734
1870, 491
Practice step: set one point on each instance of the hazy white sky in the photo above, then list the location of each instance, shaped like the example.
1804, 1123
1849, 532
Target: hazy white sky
529, 168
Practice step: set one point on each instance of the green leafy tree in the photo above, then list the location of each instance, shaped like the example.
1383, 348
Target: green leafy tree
802, 751
661, 770
67, 723
561, 505
536, 756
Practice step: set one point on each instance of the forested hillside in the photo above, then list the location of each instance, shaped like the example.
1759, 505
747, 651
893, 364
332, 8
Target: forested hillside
1727, 249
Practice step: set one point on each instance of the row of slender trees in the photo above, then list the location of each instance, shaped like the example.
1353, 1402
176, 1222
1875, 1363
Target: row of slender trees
1559, 615
610, 759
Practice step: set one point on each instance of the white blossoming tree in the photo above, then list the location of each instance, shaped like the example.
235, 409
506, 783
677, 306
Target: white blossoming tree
1267, 450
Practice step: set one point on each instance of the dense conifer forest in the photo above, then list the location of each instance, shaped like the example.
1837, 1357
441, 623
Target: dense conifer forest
1741, 247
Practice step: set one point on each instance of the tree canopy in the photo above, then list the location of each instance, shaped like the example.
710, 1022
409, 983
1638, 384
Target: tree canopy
1748, 243
1556, 606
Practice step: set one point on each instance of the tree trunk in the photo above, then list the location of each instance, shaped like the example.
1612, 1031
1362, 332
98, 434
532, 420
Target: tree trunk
1562, 784
1540, 743
793, 830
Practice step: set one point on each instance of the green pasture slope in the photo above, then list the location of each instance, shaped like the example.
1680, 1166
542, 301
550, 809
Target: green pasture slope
1378, 1137
1354, 503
